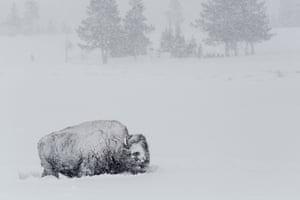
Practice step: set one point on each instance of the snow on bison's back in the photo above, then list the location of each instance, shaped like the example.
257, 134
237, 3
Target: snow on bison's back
93, 148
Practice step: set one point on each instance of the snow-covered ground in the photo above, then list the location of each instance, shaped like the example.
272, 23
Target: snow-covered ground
218, 129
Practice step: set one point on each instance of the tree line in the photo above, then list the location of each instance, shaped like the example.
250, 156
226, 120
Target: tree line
15, 23
229, 22
27, 23
105, 30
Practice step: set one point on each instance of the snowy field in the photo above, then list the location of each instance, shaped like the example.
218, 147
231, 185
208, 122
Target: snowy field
218, 129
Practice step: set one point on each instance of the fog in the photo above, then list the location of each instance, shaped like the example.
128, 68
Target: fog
72, 11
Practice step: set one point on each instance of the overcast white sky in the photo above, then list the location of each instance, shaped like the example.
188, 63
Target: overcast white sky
72, 11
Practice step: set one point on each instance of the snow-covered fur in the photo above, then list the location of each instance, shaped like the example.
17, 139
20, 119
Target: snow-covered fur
93, 148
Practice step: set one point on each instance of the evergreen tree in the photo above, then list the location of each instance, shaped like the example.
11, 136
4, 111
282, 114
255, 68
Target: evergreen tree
102, 26
120, 45
191, 48
200, 51
233, 21
174, 15
179, 45
167, 41
255, 25
136, 29
176, 44
14, 20
32, 15
172, 39
218, 19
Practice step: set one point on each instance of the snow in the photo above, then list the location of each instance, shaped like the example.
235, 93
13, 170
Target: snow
218, 129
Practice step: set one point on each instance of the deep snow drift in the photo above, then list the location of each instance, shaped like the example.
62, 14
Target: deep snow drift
225, 128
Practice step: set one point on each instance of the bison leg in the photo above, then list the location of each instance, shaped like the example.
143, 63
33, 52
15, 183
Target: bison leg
86, 169
49, 170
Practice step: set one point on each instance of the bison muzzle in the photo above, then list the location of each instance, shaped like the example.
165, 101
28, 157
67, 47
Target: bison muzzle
93, 148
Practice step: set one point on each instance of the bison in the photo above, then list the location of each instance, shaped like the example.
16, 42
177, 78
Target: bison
93, 148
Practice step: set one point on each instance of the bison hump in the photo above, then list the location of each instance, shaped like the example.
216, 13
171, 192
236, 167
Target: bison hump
94, 136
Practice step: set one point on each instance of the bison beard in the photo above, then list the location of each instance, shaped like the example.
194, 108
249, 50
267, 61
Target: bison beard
93, 148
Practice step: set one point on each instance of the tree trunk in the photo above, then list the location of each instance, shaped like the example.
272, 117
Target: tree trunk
252, 48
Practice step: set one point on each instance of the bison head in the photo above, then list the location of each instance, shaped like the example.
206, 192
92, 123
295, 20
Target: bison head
137, 156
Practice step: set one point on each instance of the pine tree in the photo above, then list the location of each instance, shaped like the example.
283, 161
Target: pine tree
191, 48
172, 39
32, 14
200, 51
136, 29
167, 41
120, 47
255, 25
102, 26
218, 19
174, 15
179, 45
14, 20
233, 21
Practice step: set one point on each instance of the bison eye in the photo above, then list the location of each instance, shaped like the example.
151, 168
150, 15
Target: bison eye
136, 154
